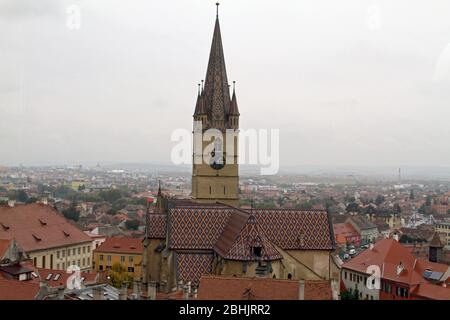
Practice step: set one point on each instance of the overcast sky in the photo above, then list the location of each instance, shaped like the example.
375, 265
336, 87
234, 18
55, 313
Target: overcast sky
349, 82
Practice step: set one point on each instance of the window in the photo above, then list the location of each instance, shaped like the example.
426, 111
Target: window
57, 254
57, 266
35, 261
73, 251
130, 259
73, 262
108, 258
101, 257
122, 258
209, 189
100, 267
257, 251
224, 189
89, 261
43, 262
64, 265
79, 262
68, 252
345, 275
84, 249
130, 269
63, 253
84, 261
89, 249
79, 250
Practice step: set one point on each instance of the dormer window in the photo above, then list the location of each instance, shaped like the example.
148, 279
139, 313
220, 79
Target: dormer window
43, 223
257, 251
67, 234
36, 237
5, 227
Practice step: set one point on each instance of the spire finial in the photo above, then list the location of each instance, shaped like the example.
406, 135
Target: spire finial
199, 88
234, 85
217, 9
203, 84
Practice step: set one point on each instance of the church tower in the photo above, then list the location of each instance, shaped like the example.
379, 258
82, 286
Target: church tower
216, 179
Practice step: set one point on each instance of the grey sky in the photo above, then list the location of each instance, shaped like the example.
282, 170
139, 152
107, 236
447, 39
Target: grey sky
350, 82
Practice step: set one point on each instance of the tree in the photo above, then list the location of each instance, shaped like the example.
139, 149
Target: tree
352, 207
397, 208
428, 201
379, 200
132, 224
32, 200
22, 196
118, 276
111, 195
72, 212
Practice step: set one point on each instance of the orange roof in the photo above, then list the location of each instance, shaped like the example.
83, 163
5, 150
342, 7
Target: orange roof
50, 275
431, 291
388, 254
4, 245
18, 290
121, 245
345, 229
234, 288
38, 226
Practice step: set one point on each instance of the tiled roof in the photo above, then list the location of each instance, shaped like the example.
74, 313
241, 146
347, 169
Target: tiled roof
56, 278
121, 245
199, 227
296, 229
431, 291
4, 245
18, 290
234, 288
240, 235
157, 226
191, 266
38, 226
362, 223
388, 254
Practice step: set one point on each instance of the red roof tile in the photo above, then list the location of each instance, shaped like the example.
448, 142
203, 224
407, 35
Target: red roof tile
53, 280
235, 288
18, 290
4, 245
121, 245
240, 236
38, 226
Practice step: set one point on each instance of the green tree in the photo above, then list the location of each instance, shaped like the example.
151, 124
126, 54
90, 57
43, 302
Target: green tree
72, 212
379, 200
111, 195
118, 276
352, 207
132, 224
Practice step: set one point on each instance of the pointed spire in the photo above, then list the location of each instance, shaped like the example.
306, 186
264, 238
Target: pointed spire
159, 188
234, 110
199, 106
217, 94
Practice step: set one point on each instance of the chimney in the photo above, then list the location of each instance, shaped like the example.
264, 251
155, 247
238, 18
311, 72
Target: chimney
151, 290
136, 291
371, 246
400, 268
395, 237
301, 290
189, 287
186, 292
123, 292
11, 203
97, 293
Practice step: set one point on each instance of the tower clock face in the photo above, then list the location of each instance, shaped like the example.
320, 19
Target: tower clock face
217, 161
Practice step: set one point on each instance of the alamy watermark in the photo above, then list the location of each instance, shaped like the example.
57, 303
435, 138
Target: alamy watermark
218, 148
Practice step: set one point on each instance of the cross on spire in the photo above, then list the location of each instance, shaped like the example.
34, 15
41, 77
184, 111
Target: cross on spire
217, 9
